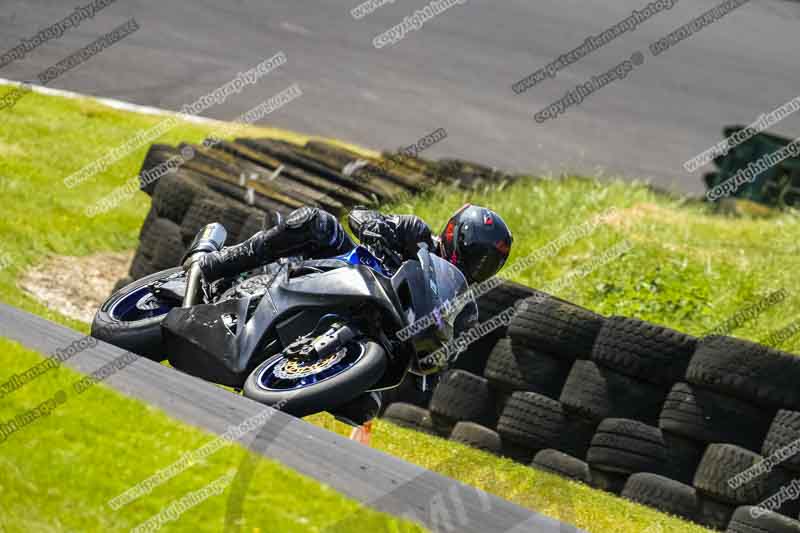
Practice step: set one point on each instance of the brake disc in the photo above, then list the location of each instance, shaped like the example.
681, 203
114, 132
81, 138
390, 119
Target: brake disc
299, 367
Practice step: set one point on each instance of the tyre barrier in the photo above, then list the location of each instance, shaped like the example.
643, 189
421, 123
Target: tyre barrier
246, 184
636, 409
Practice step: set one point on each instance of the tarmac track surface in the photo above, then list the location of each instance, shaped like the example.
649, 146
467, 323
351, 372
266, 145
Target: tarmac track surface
455, 72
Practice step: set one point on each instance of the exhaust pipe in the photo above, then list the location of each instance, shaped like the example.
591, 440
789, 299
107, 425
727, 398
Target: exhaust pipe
209, 239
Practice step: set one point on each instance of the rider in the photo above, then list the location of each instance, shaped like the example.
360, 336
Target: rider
475, 239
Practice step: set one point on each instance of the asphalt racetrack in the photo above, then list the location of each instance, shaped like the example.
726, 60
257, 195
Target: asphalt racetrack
454, 72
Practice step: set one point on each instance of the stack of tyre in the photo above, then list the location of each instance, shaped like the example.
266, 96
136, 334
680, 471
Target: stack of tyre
637, 409
246, 183
181, 206
460, 403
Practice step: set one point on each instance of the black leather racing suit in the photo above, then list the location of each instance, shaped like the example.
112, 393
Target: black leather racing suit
315, 233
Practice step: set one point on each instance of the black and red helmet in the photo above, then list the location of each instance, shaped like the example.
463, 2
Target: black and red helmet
477, 241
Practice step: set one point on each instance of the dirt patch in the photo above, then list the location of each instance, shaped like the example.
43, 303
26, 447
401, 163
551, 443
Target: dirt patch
76, 286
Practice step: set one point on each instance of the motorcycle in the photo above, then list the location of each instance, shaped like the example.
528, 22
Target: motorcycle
304, 335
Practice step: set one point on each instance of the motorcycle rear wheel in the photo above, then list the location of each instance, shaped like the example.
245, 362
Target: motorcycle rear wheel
131, 318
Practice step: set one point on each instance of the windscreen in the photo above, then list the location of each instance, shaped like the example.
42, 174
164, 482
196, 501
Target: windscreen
455, 299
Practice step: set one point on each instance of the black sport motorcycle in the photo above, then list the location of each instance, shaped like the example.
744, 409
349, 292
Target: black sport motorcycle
305, 335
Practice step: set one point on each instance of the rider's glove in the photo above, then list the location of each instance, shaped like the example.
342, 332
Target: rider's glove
379, 233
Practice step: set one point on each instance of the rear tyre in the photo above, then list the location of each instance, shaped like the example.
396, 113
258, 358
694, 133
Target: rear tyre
130, 319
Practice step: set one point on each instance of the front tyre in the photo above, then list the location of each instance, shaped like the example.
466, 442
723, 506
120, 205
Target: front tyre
303, 388
131, 317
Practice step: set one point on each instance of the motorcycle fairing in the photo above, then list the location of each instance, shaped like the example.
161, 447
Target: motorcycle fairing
201, 341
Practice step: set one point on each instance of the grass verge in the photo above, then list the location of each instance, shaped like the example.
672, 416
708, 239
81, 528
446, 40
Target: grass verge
60, 471
688, 268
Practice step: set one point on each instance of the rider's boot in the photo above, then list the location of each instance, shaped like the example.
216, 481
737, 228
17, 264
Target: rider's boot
360, 410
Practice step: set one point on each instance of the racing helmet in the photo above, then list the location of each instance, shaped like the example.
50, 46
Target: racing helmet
477, 241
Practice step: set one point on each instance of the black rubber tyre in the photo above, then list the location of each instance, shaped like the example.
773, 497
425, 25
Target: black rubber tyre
203, 211
174, 193
707, 416
169, 247
255, 222
505, 295
555, 327
643, 350
597, 393
127, 280
156, 155
742, 521
784, 434
562, 464
683, 457
747, 370
666, 495
712, 513
523, 369
151, 217
158, 230
477, 436
461, 396
476, 356
142, 337
626, 447
409, 392
409, 416
537, 422
140, 266
326, 394
235, 217
721, 462
612, 482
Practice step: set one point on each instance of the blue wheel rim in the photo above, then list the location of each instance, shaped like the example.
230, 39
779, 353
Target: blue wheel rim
267, 380
139, 304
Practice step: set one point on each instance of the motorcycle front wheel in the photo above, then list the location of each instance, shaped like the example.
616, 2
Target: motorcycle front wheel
302, 388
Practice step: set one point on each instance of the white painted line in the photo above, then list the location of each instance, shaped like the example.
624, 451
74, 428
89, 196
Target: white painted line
116, 104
